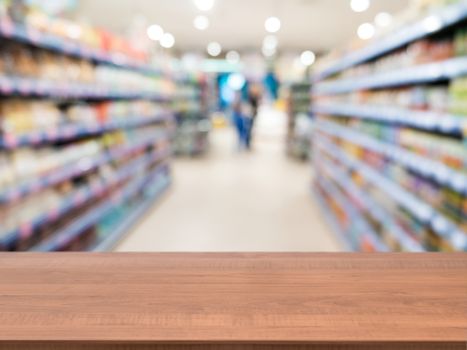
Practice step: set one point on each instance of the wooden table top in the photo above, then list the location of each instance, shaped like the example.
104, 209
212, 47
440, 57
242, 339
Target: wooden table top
289, 298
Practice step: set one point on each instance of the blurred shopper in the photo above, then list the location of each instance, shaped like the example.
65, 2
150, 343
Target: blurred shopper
238, 120
272, 84
254, 100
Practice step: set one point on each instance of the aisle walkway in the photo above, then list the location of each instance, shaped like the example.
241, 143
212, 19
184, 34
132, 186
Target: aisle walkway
230, 201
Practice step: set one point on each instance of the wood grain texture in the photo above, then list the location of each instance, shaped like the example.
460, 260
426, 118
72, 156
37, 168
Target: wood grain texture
147, 299
321, 346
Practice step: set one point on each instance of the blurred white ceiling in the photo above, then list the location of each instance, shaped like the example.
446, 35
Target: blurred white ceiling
319, 25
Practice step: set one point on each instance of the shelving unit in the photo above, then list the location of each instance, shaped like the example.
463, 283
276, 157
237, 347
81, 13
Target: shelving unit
192, 113
425, 120
298, 106
422, 74
85, 140
390, 145
355, 224
17, 86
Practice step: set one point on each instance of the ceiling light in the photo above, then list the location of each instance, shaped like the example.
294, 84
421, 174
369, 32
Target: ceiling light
204, 5
269, 52
366, 31
383, 19
167, 40
214, 49
201, 22
233, 57
359, 5
432, 24
270, 42
155, 32
272, 24
307, 58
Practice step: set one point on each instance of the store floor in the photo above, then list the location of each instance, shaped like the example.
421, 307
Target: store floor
232, 201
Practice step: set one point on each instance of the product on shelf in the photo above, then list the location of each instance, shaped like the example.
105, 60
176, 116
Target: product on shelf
22, 13
420, 16
19, 117
444, 149
409, 226
24, 165
26, 62
419, 98
445, 200
418, 53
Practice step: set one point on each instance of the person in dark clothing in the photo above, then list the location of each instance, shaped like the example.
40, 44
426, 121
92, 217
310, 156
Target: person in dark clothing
254, 100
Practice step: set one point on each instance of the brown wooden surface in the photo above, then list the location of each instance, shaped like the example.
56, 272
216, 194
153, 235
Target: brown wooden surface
317, 346
233, 299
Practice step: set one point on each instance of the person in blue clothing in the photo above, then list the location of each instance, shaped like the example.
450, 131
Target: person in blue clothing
272, 84
239, 120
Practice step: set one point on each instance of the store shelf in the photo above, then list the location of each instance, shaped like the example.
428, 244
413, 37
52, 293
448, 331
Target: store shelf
422, 211
71, 171
420, 74
425, 120
437, 171
408, 243
77, 199
359, 229
64, 237
132, 218
76, 131
25, 87
32, 36
76, 78
193, 117
429, 25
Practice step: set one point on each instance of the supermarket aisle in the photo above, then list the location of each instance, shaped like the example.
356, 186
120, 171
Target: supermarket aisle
232, 201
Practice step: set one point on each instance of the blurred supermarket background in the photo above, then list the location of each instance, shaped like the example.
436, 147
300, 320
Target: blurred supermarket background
233, 125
